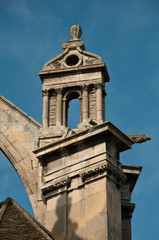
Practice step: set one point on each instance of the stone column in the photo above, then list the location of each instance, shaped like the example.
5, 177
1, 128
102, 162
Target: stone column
85, 103
99, 101
81, 109
64, 122
45, 108
59, 107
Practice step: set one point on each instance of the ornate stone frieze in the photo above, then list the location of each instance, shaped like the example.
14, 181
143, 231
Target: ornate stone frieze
112, 172
55, 187
93, 173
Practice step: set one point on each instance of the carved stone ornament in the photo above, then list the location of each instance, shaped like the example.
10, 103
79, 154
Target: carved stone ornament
59, 90
57, 64
56, 186
92, 173
76, 31
112, 172
74, 53
99, 85
45, 92
92, 60
139, 138
85, 87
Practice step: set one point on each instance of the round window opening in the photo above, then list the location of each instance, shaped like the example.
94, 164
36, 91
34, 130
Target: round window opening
72, 60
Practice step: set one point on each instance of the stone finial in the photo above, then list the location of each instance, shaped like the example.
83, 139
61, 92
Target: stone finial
76, 31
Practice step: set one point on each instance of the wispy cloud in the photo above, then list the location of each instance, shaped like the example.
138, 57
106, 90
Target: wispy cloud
20, 8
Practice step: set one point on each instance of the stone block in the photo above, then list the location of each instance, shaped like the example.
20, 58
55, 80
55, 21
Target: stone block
20, 149
2, 127
14, 153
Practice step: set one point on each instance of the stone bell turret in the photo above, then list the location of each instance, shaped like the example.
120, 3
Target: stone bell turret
74, 74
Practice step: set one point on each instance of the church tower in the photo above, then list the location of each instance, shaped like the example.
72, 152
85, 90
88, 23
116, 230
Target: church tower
84, 191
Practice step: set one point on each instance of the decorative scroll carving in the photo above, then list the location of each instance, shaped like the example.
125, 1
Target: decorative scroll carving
139, 138
56, 64
56, 186
92, 60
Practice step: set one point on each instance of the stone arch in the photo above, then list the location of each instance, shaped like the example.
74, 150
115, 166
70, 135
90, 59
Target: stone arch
18, 137
22, 163
70, 95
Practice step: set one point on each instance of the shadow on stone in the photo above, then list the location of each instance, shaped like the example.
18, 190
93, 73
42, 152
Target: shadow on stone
65, 227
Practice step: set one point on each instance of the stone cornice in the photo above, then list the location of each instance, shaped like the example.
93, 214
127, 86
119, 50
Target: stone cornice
74, 70
132, 173
102, 130
91, 174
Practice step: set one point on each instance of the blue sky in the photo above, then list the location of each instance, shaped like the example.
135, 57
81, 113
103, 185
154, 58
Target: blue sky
126, 35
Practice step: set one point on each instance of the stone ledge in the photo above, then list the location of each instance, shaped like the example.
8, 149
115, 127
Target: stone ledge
123, 141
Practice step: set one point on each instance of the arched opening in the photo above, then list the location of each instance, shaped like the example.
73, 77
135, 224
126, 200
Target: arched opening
72, 117
74, 113
12, 186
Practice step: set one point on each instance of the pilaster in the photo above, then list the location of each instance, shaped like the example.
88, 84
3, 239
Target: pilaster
59, 107
45, 108
99, 100
85, 103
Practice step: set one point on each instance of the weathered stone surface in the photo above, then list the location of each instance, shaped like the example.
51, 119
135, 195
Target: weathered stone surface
18, 134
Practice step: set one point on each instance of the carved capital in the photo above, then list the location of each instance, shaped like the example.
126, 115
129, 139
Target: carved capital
59, 90
99, 85
85, 87
45, 92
